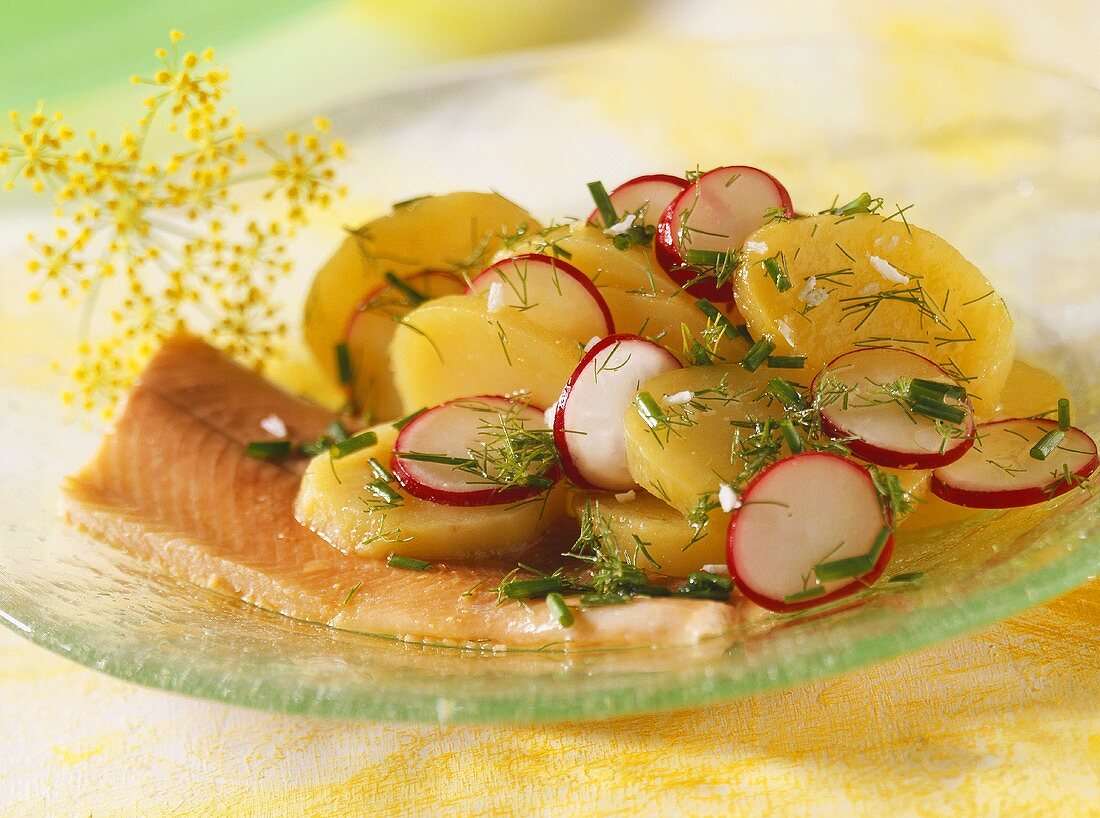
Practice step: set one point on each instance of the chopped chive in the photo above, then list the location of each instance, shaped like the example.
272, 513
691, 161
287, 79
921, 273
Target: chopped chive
802, 596
385, 492
407, 563
441, 459
603, 203
650, 411
343, 362
777, 272
757, 354
853, 566
380, 471
268, 449
560, 610
414, 296
351, 592
353, 444
531, 588
909, 576
743, 331
337, 432
937, 390
705, 585
409, 418
785, 392
707, 258
1063, 414
786, 361
790, 435
937, 410
1047, 444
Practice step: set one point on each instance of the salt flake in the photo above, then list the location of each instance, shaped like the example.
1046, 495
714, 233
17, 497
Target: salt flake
727, 498
274, 426
888, 271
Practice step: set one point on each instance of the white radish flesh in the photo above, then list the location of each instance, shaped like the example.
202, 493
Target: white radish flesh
1000, 471
811, 528
461, 429
588, 424
654, 192
370, 328
882, 427
716, 213
549, 292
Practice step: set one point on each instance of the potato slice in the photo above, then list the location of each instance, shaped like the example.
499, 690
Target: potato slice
452, 348
692, 460
878, 283
668, 537
661, 317
333, 503
455, 232
594, 254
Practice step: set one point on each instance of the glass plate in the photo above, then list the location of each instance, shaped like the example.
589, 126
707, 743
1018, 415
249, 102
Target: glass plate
1003, 160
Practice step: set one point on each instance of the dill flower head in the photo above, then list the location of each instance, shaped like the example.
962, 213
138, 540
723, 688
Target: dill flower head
159, 242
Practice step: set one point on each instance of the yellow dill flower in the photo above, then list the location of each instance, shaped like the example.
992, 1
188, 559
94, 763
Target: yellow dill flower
157, 245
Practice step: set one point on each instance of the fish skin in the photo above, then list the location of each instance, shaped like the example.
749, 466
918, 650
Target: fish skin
172, 485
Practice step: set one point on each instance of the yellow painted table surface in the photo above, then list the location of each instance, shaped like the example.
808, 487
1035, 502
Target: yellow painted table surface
1003, 722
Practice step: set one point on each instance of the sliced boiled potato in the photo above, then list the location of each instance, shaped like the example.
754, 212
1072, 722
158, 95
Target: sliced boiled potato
594, 254
456, 232
334, 502
661, 317
453, 347
876, 282
668, 537
692, 460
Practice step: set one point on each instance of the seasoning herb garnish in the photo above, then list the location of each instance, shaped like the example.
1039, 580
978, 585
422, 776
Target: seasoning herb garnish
705, 585
1047, 444
269, 449
603, 203
1063, 414
801, 596
343, 363
757, 354
408, 563
401, 423
414, 297
352, 444
559, 609
786, 361
776, 268
853, 566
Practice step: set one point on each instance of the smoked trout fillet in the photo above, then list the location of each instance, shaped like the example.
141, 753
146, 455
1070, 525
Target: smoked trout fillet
172, 484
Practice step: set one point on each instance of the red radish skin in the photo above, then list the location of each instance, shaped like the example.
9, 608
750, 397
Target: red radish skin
558, 295
713, 204
884, 434
592, 442
974, 482
440, 431
655, 192
813, 502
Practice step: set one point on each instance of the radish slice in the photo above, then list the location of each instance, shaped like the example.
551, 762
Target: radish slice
372, 323
716, 213
1000, 472
550, 292
654, 192
430, 452
588, 422
861, 403
811, 528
